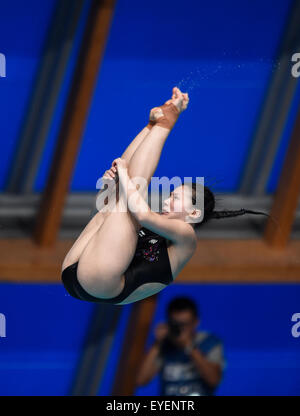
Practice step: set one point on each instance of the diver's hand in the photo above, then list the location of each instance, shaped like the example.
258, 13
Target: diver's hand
120, 163
111, 174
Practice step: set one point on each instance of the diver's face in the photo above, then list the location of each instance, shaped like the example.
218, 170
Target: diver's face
179, 203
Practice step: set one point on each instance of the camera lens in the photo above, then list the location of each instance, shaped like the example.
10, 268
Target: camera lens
175, 328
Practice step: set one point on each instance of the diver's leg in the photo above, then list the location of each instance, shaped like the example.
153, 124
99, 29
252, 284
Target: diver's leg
145, 159
102, 204
108, 254
75, 251
127, 154
131, 148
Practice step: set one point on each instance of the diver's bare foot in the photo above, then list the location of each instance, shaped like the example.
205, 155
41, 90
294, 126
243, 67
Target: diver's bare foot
179, 99
167, 114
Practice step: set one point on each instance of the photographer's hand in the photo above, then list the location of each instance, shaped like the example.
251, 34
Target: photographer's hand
149, 366
160, 332
210, 371
185, 340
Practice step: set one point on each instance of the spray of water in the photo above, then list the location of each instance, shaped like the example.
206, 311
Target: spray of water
226, 72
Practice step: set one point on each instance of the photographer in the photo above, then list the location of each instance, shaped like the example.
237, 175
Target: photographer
189, 362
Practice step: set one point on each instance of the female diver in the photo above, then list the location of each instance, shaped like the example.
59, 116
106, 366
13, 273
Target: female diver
123, 256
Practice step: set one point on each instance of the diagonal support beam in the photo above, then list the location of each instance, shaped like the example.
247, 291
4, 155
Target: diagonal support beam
275, 110
35, 129
96, 350
133, 347
287, 194
87, 68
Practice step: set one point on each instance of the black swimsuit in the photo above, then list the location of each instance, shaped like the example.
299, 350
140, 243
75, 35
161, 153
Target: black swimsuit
150, 264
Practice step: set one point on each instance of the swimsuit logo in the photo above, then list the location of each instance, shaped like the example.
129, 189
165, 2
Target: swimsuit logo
153, 241
151, 254
152, 251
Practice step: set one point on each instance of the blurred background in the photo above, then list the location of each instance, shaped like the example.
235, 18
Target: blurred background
78, 79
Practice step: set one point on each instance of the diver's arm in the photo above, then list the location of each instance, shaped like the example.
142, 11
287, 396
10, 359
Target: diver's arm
174, 230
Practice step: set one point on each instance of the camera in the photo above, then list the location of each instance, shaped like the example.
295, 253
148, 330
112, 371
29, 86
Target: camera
175, 328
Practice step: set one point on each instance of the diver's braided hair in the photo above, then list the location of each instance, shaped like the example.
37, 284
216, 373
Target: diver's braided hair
227, 213
209, 205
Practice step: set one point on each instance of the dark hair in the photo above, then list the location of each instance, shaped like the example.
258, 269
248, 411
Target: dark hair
209, 205
182, 303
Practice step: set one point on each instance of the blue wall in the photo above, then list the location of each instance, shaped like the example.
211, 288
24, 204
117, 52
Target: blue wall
46, 329
222, 53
